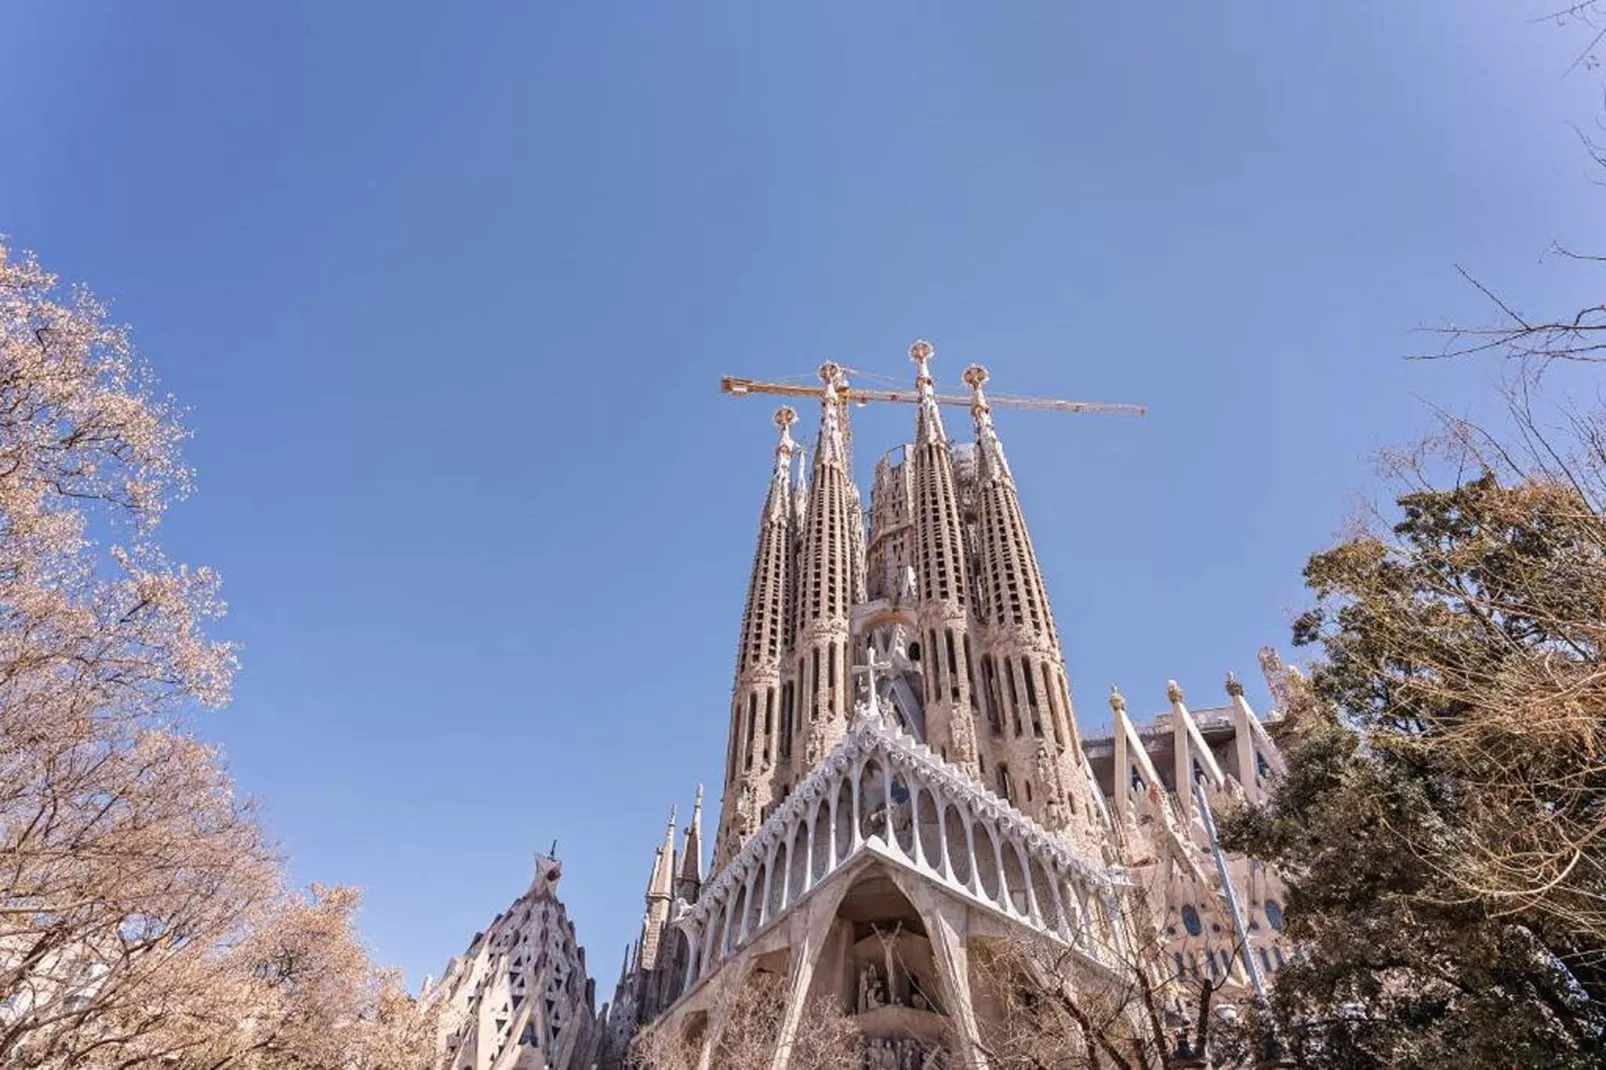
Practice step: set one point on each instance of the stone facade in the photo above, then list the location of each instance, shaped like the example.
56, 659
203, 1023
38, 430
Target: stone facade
906, 783
518, 997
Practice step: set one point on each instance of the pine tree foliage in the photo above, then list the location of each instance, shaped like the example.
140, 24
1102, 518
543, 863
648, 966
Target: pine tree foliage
1441, 824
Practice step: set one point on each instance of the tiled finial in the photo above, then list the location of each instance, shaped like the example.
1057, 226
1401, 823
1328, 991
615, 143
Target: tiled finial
921, 353
831, 413
1117, 700
1173, 693
1234, 688
830, 375
976, 377
785, 417
989, 451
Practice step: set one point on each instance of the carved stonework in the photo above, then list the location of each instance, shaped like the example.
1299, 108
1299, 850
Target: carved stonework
815, 749
864, 716
1056, 815
962, 740
746, 818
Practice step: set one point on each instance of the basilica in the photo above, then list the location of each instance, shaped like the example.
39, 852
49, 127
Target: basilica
906, 790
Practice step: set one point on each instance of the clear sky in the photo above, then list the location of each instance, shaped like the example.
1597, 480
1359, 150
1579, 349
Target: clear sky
447, 289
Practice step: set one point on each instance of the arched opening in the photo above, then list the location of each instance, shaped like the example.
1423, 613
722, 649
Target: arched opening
797, 860
755, 902
1043, 889
930, 831
716, 921
843, 829
738, 912
1075, 921
873, 816
822, 839
1015, 879
777, 881
987, 862
684, 978
902, 815
888, 959
958, 847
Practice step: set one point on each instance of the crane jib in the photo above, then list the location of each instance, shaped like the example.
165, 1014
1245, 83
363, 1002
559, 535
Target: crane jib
739, 387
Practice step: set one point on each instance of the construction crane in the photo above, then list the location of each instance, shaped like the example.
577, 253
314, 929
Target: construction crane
836, 374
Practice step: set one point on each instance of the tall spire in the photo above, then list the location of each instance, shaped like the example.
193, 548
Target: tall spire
1023, 668
663, 863
760, 697
659, 890
942, 583
830, 446
989, 450
928, 418
827, 567
689, 881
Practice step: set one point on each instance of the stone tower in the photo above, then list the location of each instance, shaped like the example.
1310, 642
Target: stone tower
660, 892
1035, 748
906, 786
763, 696
941, 566
827, 572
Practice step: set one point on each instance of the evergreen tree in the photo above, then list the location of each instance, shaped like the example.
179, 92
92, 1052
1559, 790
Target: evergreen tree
1441, 819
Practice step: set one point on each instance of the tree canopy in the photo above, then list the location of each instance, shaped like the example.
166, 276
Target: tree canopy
144, 916
1439, 826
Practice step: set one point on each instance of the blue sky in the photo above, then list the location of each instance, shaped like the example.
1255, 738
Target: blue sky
447, 290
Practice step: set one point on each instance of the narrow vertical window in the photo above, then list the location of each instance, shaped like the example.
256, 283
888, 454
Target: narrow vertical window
769, 721
830, 695
1031, 698
1054, 705
970, 676
814, 685
953, 666
1014, 696
752, 718
995, 702
785, 745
